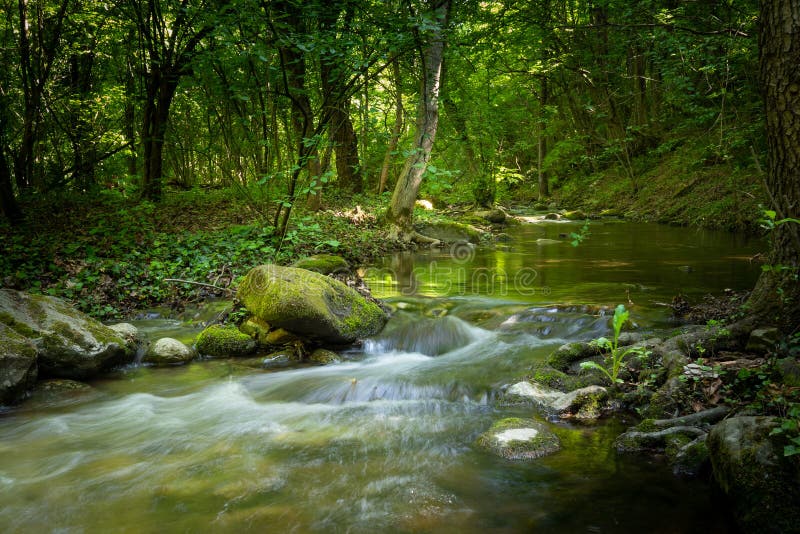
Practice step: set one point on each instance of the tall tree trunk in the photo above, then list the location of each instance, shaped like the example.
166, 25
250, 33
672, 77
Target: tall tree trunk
84, 153
161, 89
397, 128
544, 185
400, 215
776, 296
7, 200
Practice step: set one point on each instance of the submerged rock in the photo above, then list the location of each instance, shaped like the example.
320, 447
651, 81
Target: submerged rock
519, 439
762, 483
275, 360
309, 304
68, 343
431, 337
224, 341
324, 357
168, 351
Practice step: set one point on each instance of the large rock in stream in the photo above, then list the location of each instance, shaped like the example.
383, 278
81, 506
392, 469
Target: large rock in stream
519, 439
41, 335
309, 304
751, 469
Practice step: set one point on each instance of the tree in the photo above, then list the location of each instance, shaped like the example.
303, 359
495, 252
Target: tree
171, 33
776, 295
400, 214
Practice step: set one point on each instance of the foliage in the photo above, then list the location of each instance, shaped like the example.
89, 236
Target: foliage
616, 355
114, 256
580, 235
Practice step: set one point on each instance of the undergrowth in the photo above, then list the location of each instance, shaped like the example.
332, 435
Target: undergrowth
110, 256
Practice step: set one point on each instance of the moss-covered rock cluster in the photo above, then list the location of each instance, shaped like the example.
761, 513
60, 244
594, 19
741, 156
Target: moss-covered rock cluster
309, 304
44, 336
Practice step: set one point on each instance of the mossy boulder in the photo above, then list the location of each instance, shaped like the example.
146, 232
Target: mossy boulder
575, 215
309, 304
762, 340
223, 341
449, 231
519, 439
494, 216
564, 356
323, 264
68, 343
168, 351
749, 466
18, 370
129, 333
583, 403
256, 329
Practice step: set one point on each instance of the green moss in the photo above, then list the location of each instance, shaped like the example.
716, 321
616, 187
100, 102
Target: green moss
309, 304
647, 425
20, 328
541, 444
221, 341
323, 264
449, 231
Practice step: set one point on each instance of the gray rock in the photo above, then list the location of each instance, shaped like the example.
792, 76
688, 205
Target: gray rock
762, 483
18, 370
519, 439
69, 344
449, 232
583, 403
762, 340
168, 351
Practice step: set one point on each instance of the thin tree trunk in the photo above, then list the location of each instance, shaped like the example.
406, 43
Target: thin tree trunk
7, 200
776, 296
400, 214
397, 128
544, 185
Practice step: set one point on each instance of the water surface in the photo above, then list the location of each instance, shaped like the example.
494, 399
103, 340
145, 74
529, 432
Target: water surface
383, 441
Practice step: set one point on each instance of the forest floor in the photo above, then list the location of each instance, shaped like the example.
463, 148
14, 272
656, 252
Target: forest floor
684, 187
110, 255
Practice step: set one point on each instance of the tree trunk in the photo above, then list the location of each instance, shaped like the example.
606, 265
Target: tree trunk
397, 128
7, 201
776, 296
544, 186
400, 215
160, 92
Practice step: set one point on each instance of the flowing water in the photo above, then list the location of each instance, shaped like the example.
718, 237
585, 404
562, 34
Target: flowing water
384, 441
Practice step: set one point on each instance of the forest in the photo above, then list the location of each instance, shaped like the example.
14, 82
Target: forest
584, 210
280, 110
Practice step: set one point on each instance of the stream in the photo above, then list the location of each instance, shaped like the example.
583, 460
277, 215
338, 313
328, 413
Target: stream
384, 441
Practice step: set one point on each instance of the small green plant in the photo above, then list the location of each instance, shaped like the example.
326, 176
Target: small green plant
580, 235
790, 429
615, 354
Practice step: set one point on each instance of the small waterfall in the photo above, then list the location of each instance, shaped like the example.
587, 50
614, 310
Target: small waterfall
431, 337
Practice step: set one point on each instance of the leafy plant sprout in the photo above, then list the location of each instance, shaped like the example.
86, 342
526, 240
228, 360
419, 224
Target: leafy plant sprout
616, 355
